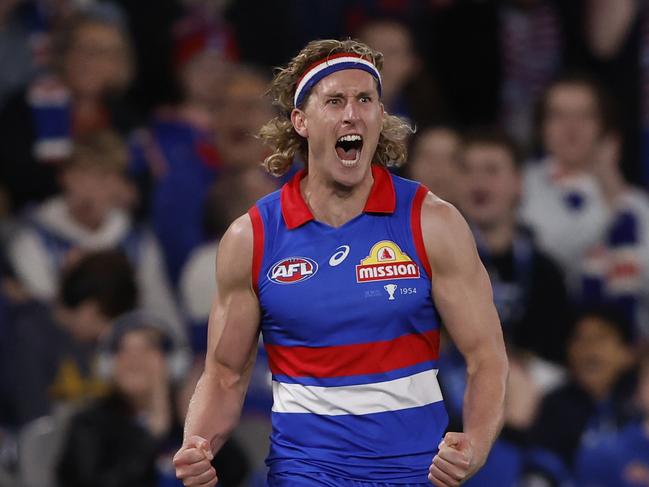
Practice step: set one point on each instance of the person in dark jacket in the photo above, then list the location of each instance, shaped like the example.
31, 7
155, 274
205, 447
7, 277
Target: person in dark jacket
528, 285
621, 460
597, 399
47, 353
127, 438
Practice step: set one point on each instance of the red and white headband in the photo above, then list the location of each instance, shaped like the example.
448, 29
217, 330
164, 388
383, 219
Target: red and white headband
331, 64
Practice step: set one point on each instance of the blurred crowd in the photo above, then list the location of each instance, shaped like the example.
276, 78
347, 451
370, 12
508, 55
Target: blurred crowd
127, 147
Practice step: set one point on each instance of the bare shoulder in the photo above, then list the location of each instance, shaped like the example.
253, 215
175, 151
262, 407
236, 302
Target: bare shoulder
437, 212
234, 259
446, 234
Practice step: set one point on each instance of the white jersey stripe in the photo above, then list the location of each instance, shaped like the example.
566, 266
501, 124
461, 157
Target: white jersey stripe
407, 392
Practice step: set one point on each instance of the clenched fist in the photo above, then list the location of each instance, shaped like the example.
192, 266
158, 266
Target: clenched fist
455, 461
193, 463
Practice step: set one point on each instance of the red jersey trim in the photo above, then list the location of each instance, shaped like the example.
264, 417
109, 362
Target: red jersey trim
295, 211
415, 223
257, 246
383, 197
357, 359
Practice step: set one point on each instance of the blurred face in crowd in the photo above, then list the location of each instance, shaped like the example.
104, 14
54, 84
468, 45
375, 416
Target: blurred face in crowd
572, 125
399, 60
490, 184
244, 111
597, 356
139, 363
203, 79
86, 322
434, 162
97, 61
91, 194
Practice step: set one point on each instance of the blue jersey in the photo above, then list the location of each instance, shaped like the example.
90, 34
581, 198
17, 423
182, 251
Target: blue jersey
621, 460
352, 335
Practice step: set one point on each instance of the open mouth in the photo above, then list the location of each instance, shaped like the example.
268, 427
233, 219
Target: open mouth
348, 149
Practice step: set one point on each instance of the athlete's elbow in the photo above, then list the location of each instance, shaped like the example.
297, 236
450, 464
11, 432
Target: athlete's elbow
225, 377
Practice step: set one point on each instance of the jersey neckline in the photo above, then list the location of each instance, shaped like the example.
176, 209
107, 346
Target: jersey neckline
295, 211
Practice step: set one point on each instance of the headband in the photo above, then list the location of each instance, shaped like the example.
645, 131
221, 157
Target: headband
329, 65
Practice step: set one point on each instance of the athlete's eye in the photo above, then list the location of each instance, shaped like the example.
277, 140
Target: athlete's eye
365, 99
333, 101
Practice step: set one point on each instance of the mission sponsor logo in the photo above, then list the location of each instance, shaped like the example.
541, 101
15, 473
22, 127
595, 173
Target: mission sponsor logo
386, 261
292, 270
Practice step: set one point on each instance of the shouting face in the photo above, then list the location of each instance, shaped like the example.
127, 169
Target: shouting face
341, 121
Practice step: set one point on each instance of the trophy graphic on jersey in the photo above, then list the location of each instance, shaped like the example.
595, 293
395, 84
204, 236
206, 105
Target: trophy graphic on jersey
390, 288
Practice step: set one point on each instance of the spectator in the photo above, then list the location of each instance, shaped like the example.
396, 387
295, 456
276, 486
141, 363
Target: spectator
92, 65
181, 156
528, 286
87, 216
245, 110
562, 201
128, 438
175, 159
228, 198
50, 352
597, 399
407, 90
528, 292
621, 460
434, 161
616, 269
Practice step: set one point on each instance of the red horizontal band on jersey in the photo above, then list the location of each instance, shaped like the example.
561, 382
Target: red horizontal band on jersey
357, 359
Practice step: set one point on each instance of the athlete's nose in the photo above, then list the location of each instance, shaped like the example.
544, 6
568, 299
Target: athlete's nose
351, 112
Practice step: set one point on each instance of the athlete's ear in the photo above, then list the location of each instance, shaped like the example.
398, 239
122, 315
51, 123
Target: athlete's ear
298, 119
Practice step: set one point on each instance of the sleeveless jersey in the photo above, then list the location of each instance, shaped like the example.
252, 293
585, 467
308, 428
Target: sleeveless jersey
352, 335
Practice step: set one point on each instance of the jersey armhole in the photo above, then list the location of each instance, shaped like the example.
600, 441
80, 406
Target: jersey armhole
257, 246
415, 224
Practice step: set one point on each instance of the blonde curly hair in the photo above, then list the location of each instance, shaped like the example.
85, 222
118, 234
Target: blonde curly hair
279, 133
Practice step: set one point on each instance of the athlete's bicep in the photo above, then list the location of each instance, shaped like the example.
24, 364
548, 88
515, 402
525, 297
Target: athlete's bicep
461, 288
234, 318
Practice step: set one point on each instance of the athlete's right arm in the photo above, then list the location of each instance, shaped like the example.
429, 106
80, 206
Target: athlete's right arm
215, 407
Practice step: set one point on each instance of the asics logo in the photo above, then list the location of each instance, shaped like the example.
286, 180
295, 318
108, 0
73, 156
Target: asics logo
339, 256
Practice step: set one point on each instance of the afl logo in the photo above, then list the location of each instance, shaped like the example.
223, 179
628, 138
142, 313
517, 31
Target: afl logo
292, 270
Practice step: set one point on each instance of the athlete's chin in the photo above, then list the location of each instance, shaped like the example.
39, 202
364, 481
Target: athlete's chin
350, 175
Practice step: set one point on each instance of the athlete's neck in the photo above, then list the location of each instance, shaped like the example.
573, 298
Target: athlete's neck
333, 203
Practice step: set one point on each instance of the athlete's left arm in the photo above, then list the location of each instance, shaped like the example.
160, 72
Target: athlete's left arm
462, 294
